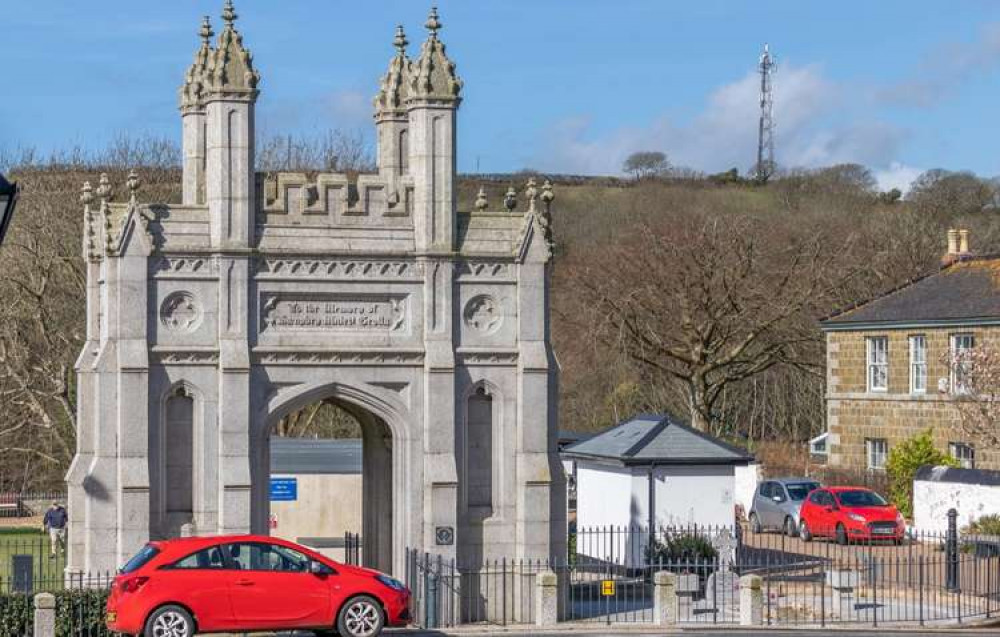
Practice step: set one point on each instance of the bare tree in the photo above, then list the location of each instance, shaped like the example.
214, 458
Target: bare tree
709, 303
975, 389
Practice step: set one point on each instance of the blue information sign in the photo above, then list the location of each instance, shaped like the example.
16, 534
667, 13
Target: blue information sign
284, 489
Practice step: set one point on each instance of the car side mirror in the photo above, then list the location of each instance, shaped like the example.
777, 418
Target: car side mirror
319, 568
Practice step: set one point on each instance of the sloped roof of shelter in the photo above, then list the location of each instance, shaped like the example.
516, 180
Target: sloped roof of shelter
656, 439
307, 456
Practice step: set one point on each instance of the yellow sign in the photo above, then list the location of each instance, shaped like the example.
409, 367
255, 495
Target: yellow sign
607, 587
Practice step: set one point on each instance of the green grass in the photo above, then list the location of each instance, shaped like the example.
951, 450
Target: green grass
25, 541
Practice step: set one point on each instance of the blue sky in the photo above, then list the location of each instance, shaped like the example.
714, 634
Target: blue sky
556, 85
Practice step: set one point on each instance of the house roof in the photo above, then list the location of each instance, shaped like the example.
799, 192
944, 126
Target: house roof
302, 456
967, 291
656, 439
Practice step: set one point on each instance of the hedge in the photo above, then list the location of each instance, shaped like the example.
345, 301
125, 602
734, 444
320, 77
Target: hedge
78, 612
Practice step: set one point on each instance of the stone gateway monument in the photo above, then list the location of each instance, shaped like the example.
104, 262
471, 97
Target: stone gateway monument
210, 320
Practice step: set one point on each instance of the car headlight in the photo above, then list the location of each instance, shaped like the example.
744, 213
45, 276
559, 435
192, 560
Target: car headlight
392, 583
857, 517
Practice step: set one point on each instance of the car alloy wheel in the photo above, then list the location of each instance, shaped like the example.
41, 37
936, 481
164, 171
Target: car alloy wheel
841, 535
362, 617
170, 621
804, 532
755, 524
790, 527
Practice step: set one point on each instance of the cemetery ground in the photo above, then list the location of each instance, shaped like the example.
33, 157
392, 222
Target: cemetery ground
28, 540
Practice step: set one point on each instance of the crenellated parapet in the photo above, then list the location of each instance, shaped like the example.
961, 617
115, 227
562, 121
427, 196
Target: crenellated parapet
330, 198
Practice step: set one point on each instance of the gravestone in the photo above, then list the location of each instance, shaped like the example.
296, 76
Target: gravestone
723, 585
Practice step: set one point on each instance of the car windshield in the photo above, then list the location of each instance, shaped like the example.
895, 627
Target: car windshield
140, 559
861, 499
800, 490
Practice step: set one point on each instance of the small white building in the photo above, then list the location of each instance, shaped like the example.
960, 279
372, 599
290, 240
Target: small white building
973, 493
650, 471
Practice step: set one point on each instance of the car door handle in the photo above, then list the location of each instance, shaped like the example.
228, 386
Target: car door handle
244, 582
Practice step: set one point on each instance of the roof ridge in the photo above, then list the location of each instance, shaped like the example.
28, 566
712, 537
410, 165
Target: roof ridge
653, 432
715, 440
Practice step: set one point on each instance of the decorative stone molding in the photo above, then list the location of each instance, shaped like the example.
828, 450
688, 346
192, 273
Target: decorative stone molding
172, 356
334, 269
264, 356
294, 198
181, 312
483, 314
185, 267
484, 270
477, 357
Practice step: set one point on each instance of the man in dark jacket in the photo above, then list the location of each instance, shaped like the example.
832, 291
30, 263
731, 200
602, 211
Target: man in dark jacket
55, 523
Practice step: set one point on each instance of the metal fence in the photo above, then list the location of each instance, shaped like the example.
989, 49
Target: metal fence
80, 605
608, 577
23, 504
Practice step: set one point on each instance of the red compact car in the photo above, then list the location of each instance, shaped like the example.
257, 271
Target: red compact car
850, 513
247, 583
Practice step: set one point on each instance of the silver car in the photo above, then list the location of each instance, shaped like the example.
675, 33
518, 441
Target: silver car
776, 504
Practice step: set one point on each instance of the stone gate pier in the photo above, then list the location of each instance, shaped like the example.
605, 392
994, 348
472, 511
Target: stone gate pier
258, 294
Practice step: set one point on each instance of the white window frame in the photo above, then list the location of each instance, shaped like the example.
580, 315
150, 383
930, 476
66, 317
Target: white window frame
964, 453
959, 343
918, 364
876, 367
876, 453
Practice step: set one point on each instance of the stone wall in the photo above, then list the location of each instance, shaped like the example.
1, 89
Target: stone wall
854, 414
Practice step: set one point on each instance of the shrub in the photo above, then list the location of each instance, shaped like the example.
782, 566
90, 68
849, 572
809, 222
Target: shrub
684, 547
78, 612
986, 525
904, 460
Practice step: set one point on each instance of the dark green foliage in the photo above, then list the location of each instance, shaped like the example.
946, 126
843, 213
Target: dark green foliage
78, 612
685, 548
986, 525
904, 460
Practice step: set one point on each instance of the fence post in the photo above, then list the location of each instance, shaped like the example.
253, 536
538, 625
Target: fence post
546, 599
45, 615
665, 607
751, 601
951, 552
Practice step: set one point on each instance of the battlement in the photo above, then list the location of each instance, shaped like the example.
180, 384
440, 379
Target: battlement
326, 199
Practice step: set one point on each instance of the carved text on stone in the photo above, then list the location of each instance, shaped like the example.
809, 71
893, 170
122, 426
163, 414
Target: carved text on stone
333, 314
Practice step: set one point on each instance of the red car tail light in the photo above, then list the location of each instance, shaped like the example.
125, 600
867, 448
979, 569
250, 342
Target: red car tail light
133, 584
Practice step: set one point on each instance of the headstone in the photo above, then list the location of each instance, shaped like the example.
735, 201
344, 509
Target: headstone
688, 587
23, 572
723, 586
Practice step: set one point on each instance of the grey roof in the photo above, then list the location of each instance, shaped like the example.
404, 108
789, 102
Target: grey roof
309, 456
966, 291
659, 439
928, 473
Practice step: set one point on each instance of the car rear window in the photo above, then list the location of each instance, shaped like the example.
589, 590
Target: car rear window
861, 499
140, 559
800, 490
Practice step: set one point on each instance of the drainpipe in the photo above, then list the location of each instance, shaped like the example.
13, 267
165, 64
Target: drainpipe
651, 504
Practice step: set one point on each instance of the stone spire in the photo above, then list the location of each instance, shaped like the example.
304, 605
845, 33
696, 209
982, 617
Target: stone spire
393, 89
231, 73
433, 75
192, 91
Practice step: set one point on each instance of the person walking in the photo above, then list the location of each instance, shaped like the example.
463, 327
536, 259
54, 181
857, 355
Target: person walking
55, 524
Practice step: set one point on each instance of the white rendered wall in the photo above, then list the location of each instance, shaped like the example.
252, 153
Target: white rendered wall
931, 501
699, 495
747, 478
604, 505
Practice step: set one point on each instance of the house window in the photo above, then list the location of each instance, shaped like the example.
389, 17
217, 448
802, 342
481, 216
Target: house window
961, 347
918, 364
964, 453
877, 450
878, 363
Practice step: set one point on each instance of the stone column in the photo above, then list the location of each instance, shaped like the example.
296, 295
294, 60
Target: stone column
546, 599
751, 601
193, 142
665, 606
45, 615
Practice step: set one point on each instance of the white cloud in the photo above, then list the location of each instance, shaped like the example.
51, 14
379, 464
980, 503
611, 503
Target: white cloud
813, 128
897, 175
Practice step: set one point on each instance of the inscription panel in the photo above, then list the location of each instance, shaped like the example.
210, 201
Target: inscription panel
369, 314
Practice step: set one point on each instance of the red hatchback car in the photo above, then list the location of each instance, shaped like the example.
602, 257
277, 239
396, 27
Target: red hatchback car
850, 513
246, 583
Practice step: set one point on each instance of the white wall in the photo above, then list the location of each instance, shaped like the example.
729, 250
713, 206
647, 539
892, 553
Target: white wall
695, 495
605, 508
747, 479
931, 501
327, 506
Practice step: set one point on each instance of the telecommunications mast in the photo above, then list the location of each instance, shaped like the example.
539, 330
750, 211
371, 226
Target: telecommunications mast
765, 137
